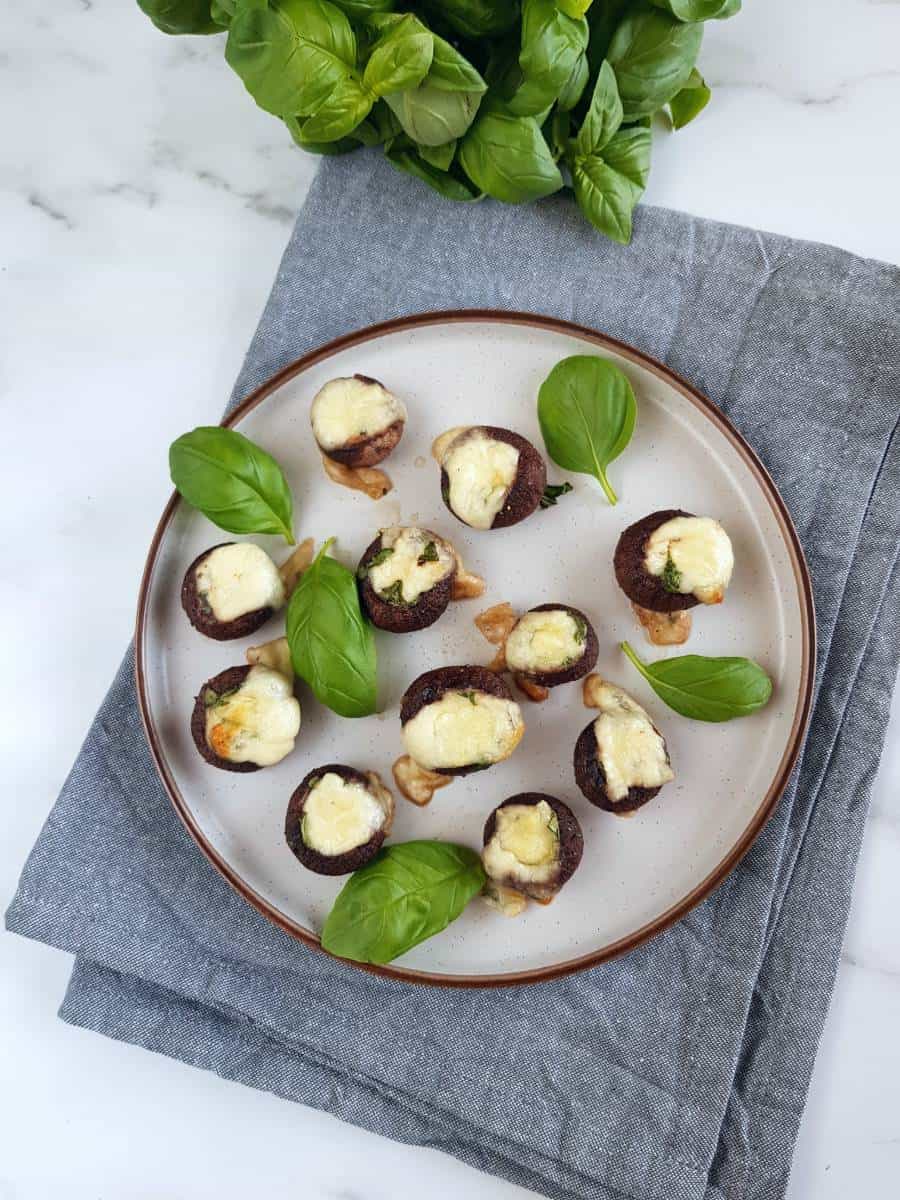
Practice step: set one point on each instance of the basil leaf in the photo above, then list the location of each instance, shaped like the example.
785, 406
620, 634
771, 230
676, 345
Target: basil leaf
507, 158
587, 411
444, 104
574, 8
574, 86
609, 184
552, 44
406, 157
180, 16
604, 116
690, 101
407, 893
401, 58
347, 105
699, 10
477, 18
232, 481
706, 689
332, 644
652, 54
439, 157
221, 11
291, 54
364, 10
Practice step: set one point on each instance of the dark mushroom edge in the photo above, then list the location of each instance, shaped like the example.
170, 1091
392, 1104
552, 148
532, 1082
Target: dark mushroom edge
570, 846
633, 577
398, 615
432, 686
576, 667
349, 860
365, 450
527, 488
201, 615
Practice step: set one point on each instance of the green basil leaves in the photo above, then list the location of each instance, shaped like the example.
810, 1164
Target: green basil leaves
706, 689
332, 644
587, 410
493, 111
233, 482
652, 54
180, 16
407, 893
506, 157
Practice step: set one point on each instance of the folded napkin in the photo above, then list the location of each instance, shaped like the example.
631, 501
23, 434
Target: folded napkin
676, 1072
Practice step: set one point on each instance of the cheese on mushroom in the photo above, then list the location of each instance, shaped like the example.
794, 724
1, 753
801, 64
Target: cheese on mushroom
238, 579
525, 845
349, 410
481, 471
463, 729
545, 641
630, 751
692, 555
412, 557
339, 815
258, 722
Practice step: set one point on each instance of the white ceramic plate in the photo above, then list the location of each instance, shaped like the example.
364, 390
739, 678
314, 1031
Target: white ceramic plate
637, 875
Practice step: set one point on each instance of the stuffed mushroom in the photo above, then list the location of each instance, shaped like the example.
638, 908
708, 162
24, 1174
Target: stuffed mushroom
338, 818
356, 421
232, 589
621, 758
532, 845
406, 579
456, 720
246, 718
672, 560
490, 477
550, 645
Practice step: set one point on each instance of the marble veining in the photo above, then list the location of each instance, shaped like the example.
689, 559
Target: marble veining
144, 205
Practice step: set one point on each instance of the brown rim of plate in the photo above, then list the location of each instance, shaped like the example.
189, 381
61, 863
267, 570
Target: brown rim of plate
801, 712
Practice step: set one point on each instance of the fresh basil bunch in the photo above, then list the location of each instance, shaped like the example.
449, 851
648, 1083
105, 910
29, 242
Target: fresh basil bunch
474, 97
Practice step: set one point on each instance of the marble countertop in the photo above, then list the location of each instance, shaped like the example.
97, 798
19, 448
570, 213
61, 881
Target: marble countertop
144, 204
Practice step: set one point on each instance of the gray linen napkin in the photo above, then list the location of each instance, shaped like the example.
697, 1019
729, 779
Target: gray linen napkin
679, 1071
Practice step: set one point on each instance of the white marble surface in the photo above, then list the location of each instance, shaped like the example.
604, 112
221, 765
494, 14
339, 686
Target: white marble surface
144, 204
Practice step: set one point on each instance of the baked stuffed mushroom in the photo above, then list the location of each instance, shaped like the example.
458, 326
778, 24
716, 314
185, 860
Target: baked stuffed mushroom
406, 578
246, 718
356, 421
337, 819
621, 759
490, 477
232, 589
456, 720
672, 560
532, 844
551, 644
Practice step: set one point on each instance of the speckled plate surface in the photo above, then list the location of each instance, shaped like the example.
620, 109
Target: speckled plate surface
637, 875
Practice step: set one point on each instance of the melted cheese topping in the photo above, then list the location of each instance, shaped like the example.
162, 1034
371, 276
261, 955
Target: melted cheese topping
701, 552
339, 815
545, 641
629, 749
462, 730
238, 579
345, 411
525, 845
403, 565
258, 723
481, 472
